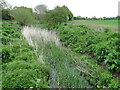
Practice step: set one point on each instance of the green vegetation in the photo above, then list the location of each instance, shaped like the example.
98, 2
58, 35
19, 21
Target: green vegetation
70, 67
57, 16
81, 57
98, 24
20, 66
23, 15
69, 70
22, 74
104, 45
6, 14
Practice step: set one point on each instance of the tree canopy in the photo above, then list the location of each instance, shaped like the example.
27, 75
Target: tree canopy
58, 15
23, 15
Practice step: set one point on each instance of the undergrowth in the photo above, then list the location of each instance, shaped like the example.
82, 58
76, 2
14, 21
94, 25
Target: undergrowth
104, 45
46, 63
20, 68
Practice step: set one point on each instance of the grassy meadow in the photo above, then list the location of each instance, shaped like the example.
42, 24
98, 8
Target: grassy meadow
98, 24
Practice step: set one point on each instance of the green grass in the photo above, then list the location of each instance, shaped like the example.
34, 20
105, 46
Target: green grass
98, 24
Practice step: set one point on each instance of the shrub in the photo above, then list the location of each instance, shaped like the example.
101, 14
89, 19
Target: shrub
104, 45
57, 16
20, 66
23, 15
6, 14
13, 44
6, 54
20, 74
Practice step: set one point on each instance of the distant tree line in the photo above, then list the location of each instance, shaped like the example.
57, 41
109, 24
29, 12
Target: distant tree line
95, 18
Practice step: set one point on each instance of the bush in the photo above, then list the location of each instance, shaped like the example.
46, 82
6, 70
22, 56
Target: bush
57, 16
20, 66
104, 45
6, 15
23, 15
20, 74
13, 45
6, 54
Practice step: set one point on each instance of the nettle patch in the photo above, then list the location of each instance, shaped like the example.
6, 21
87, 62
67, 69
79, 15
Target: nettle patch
21, 69
104, 45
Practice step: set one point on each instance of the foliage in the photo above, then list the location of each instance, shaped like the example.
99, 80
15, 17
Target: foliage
98, 77
65, 62
95, 18
57, 59
61, 67
20, 66
21, 74
23, 15
65, 74
57, 16
104, 45
4, 10
6, 14
70, 70
68, 12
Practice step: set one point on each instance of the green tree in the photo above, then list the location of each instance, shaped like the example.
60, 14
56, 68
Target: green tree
4, 10
6, 14
57, 16
23, 15
69, 13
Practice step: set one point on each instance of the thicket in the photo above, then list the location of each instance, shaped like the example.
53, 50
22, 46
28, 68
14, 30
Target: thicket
57, 16
23, 15
5, 10
20, 68
105, 46
6, 14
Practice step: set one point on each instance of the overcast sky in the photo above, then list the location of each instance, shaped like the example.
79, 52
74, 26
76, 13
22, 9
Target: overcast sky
84, 8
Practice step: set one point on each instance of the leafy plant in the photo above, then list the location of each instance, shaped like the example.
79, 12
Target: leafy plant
21, 74
101, 44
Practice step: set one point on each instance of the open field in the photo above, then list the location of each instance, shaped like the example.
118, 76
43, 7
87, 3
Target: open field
98, 24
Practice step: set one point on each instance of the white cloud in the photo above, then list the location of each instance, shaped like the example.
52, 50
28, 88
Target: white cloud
86, 8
